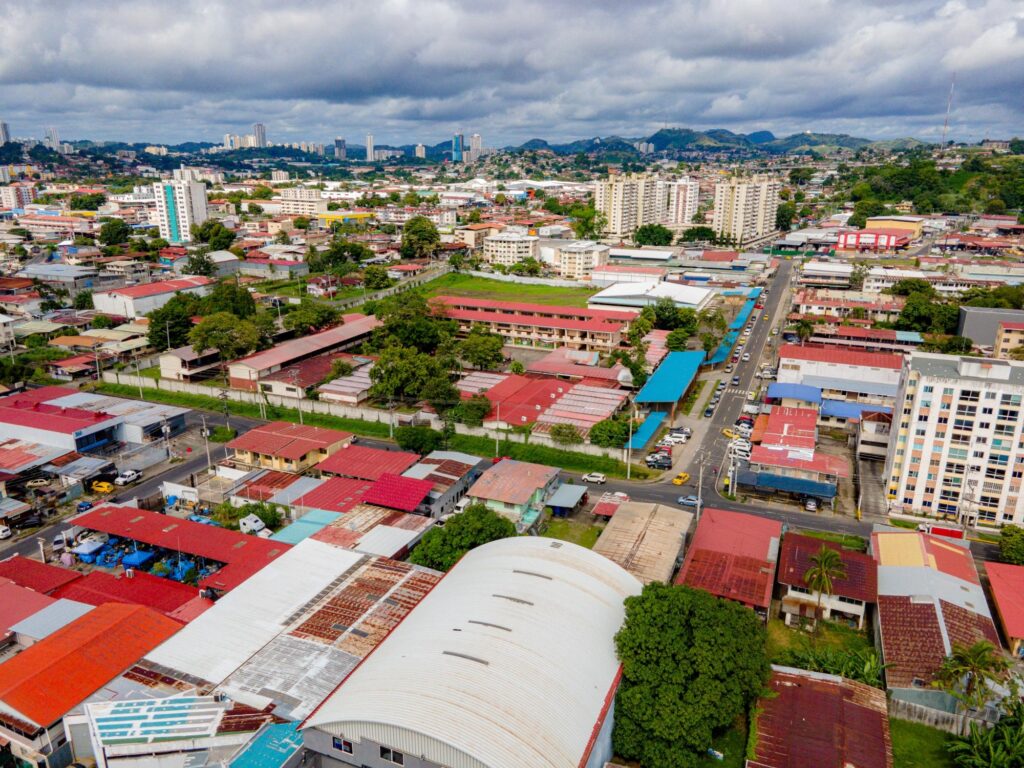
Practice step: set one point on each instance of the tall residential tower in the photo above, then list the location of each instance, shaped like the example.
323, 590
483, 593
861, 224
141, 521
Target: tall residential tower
180, 205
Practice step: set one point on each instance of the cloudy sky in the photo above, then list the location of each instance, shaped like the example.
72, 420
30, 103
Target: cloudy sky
417, 70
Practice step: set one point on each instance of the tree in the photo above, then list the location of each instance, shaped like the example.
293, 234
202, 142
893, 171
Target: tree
566, 434
213, 233
103, 321
691, 664
411, 321
254, 208
473, 411
311, 316
376, 277
610, 433
224, 332
519, 369
528, 266
1017, 353
697, 235
301, 222
419, 238
912, 285
114, 232
482, 349
857, 277
402, 373
421, 440
677, 340
1011, 545
967, 673
172, 321
477, 525
826, 566
653, 234
83, 300
784, 216
804, 329
587, 222
200, 263
1001, 746
228, 296
339, 369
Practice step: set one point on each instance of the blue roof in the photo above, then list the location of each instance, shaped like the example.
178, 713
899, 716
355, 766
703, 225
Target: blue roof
313, 521
913, 336
847, 385
768, 481
642, 436
779, 391
843, 410
271, 748
567, 495
673, 377
722, 353
744, 315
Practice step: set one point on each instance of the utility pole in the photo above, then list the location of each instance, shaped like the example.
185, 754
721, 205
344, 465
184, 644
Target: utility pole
629, 446
167, 327
700, 484
138, 375
206, 439
295, 382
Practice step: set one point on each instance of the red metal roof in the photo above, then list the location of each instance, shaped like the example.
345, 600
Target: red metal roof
267, 485
33, 574
52, 676
397, 492
733, 555
540, 310
164, 286
821, 462
365, 463
719, 256
1007, 583
821, 721
860, 582
242, 555
97, 588
282, 354
539, 321
1012, 326
338, 494
829, 354
32, 410
17, 603
791, 427
287, 440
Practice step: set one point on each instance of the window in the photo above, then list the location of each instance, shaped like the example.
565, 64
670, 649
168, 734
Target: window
947, 391
343, 746
928, 388
986, 411
392, 756
970, 396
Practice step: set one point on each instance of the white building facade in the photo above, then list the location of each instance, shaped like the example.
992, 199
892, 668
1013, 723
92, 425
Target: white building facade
627, 202
180, 205
745, 208
508, 248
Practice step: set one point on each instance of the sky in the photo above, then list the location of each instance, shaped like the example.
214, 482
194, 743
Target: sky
413, 71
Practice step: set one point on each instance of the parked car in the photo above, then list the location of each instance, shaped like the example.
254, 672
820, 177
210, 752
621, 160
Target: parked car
775, 331
59, 542
731, 434
83, 506
594, 477
752, 395
729, 368
128, 476
39, 482
681, 479
5, 532
688, 501
709, 412
251, 524
32, 521
811, 505
102, 486
735, 380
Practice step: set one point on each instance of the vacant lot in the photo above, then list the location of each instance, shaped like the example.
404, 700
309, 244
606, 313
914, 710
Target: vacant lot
457, 284
918, 746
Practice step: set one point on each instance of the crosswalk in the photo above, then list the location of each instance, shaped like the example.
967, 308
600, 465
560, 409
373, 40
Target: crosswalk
735, 391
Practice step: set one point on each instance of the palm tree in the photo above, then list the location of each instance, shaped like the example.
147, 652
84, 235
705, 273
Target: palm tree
826, 567
966, 673
804, 330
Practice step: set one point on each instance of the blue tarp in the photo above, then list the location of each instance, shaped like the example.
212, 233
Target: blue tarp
89, 547
673, 377
765, 481
840, 409
137, 559
780, 391
646, 431
310, 523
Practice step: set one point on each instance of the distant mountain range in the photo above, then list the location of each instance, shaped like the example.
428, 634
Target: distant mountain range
680, 140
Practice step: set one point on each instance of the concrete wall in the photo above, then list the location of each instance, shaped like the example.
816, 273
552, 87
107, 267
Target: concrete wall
525, 280
944, 721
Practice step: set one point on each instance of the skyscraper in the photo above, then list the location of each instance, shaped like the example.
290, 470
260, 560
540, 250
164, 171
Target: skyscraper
369, 147
421, 152
53, 138
340, 149
5, 133
180, 205
259, 132
476, 148
745, 208
677, 201
458, 142
627, 202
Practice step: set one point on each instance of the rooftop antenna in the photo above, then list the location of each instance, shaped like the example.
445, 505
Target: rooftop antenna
949, 105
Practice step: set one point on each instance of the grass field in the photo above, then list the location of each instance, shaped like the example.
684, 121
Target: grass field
830, 635
846, 540
575, 531
457, 284
918, 746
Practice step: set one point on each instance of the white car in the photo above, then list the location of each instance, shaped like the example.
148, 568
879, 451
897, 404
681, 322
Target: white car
5, 532
595, 477
126, 477
746, 357
775, 331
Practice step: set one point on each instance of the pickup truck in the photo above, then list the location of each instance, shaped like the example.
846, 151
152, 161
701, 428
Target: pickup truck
127, 477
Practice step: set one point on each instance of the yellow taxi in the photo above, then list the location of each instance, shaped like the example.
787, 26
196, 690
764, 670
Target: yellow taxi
101, 486
681, 479
730, 433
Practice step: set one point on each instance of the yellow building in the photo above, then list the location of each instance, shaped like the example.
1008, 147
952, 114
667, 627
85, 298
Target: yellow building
1009, 336
912, 224
287, 447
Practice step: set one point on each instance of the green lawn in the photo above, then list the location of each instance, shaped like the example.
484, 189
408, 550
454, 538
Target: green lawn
918, 746
575, 531
458, 284
712, 387
846, 540
781, 638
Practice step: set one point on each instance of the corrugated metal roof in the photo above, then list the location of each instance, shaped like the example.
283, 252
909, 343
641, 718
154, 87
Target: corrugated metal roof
843, 409
780, 391
642, 435
672, 379
853, 385
366, 463
288, 351
529, 620
645, 539
50, 619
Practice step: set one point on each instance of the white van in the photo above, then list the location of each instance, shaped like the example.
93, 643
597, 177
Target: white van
251, 524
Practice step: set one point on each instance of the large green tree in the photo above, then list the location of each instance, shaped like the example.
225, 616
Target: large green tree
691, 664
442, 547
311, 316
419, 238
214, 233
375, 277
172, 322
228, 296
482, 349
421, 440
224, 332
114, 232
653, 234
411, 321
700, 234
1011, 544
969, 673
200, 263
404, 374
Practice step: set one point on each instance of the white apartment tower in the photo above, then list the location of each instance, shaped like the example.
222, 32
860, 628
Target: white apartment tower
745, 208
627, 202
5, 133
957, 445
369, 147
180, 205
677, 202
259, 133
421, 152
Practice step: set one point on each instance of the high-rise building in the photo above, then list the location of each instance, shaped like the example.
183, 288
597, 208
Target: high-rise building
5, 133
458, 146
53, 138
259, 132
180, 205
955, 446
17, 195
476, 148
627, 202
340, 149
745, 208
421, 152
369, 147
677, 201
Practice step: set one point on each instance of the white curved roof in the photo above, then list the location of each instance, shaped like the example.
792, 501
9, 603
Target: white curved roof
509, 661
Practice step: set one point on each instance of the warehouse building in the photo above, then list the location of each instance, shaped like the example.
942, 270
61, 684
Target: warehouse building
140, 300
524, 621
